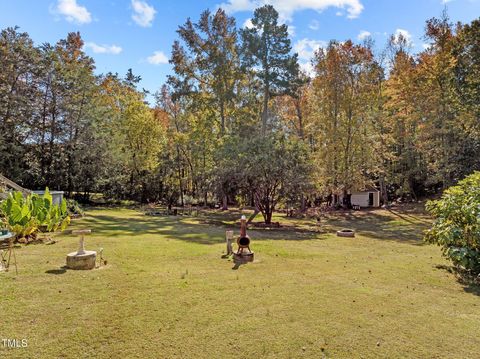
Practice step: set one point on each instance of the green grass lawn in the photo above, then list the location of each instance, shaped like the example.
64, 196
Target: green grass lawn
167, 293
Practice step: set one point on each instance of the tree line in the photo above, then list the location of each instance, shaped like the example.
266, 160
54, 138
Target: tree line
239, 122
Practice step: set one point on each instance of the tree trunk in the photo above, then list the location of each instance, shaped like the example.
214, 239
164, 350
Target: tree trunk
383, 190
300, 119
412, 188
346, 200
179, 172
225, 202
268, 216
303, 204
266, 94
252, 217
264, 115
222, 118
50, 169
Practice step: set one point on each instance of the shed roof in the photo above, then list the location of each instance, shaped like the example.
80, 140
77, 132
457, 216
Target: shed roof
367, 188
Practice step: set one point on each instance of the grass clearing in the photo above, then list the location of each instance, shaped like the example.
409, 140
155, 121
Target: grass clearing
167, 293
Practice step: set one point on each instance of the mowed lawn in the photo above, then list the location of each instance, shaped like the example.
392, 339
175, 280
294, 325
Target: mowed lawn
166, 292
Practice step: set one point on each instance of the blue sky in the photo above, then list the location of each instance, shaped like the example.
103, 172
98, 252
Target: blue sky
138, 34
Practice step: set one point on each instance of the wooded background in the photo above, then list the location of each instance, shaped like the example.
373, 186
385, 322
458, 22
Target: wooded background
239, 122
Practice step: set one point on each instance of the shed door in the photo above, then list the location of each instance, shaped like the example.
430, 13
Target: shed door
370, 199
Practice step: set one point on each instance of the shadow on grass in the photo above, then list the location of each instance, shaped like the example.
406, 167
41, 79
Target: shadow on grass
379, 225
465, 279
382, 225
472, 288
209, 228
237, 265
193, 229
58, 271
239, 262
410, 218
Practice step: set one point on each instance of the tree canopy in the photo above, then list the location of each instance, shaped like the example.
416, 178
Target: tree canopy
239, 123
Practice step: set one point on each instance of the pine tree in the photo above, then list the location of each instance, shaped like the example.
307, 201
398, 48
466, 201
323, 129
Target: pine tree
267, 52
207, 65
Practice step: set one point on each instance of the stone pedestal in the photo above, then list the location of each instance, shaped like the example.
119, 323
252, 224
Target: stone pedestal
229, 239
84, 260
243, 257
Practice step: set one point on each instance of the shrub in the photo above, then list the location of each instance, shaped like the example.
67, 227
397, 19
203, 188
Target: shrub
74, 209
457, 223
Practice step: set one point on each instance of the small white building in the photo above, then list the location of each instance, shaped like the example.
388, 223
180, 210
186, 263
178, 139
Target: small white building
370, 197
57, 196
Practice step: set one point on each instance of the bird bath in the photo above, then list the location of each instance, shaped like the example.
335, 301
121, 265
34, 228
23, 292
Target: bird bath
81, 259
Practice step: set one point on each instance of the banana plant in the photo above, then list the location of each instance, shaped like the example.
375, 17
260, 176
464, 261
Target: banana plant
26, 216
18, 215
57, 217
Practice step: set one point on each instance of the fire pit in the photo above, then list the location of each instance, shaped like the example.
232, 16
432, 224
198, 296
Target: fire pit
244, 253
346, 233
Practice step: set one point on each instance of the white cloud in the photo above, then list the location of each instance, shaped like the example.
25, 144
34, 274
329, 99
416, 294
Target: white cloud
307, 68
287, 8
339, 13
248, 24
143, 14
158, 58
103, 49
73, 12
363, 35
405, 34
314, 25
291, 30
305, 48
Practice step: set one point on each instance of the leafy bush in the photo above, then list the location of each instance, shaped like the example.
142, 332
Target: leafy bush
74, 209
26, 216
189, 200
457, 223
